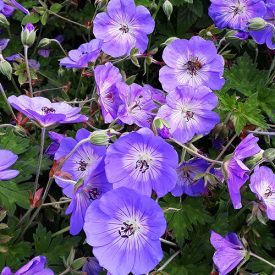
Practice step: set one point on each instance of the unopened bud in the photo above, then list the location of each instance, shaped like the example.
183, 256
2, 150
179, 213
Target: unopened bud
28, 35
167, 8
5, 68
256, 24
162, 128
3, 20
269, 154
100, 137
44, 42
168, 41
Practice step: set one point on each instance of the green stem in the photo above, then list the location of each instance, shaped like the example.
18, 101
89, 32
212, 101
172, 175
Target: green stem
7, 102
262, 133
169, 260
56, 203
60, 46
272, 66
28, 68
194, 153
66, 229
167, 242
261, 259
15, 85
113, 122
65, 271
43, 133
66, 19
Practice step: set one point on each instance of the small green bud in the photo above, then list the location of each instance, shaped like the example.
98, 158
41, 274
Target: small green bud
256, 24
168, 41
44, 42
28, 35
3, 20
167, 8
78, 263
269, 154
100, 137
5, 67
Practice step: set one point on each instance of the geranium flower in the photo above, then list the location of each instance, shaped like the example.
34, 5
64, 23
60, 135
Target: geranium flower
143, 162
53, 147
237, 172
137, 104
107, 77
95, 184
44, 112
8, 8
92, 267
78, 166
188, 112
235, 14
34, 267
267, 34
229, 252
262, 183
193, 62
80, 58
123, 27
186, 184
124, 228
7, 159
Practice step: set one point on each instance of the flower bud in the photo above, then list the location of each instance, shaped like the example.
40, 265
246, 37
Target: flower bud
162, 128
256, 24
100, 137
28, 35
44, 42
3, 20
5, 67
269, 154
167, 8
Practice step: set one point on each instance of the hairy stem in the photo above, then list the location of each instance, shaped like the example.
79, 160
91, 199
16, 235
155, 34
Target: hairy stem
169, 260
261, 259
26, 48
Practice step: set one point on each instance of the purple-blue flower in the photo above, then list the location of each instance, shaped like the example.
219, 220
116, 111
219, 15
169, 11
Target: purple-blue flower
4, 43
229, 252
142, 161
80, 58
7, 159
137, 104
80, 163
95, 184
8, 8
44, 112
53, 147
237, 172
34, 267
107, 77
193, 62
124, 228
235, 14
92, 267
186, 184
188, 112
122, 27
267, 34
262, 183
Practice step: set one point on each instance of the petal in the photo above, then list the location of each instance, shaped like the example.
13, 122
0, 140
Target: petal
7, 159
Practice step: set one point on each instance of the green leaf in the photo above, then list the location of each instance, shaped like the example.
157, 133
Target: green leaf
183, 222
32, 18
12, 193
9, 140
181, 2
56, 7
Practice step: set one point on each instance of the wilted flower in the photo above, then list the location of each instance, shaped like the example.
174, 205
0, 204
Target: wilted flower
235, 14
193, 62
92, 267
123, 27
80, 58
143, 162
78, 166
188, 112
229, 252
7, 159
262, 183
186, 183
34, 267
95, 184
267, 34
44, 112
124, 228
237, 172
137, 105
107, 77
